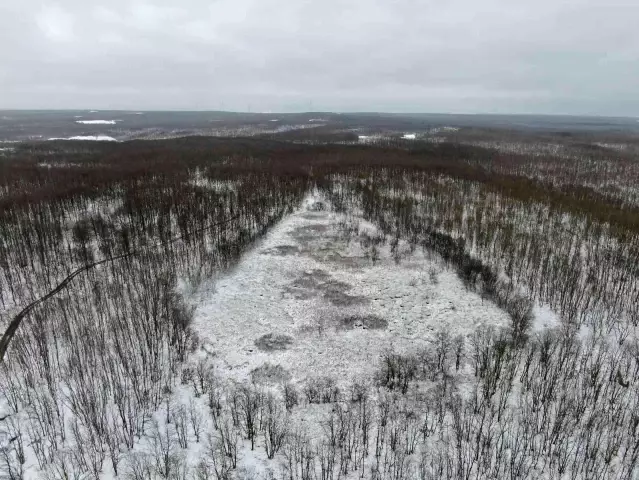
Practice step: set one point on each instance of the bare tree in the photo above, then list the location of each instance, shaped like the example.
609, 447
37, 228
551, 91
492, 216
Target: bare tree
275, 426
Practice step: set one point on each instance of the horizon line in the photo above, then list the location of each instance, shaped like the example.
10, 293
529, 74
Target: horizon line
308, 112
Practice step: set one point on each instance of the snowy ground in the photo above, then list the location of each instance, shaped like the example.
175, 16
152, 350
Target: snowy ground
96, 122
98, 138
315, 303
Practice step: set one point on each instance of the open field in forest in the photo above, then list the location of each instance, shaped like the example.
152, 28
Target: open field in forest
317, 295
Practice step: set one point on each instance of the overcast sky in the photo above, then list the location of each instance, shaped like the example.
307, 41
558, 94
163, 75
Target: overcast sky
461, 56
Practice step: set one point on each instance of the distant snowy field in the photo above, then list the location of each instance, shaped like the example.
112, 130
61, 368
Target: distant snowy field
98, 138
96, 122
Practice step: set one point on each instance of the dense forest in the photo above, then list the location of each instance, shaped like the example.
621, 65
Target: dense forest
100, 244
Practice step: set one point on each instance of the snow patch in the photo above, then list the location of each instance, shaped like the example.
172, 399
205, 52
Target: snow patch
97, 138
620, 147
544, 318
96, 122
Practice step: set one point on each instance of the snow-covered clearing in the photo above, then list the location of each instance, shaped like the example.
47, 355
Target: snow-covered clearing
620, 147
315, 303
96, 138
96, 122
544, 318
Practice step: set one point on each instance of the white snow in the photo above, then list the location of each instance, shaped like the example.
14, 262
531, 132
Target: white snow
443, 129
304, 280
409, 136
99, 138
370, 138
612, 146
96, 122
544, 318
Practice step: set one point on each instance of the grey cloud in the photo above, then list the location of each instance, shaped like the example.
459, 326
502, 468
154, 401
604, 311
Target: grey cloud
575, 56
